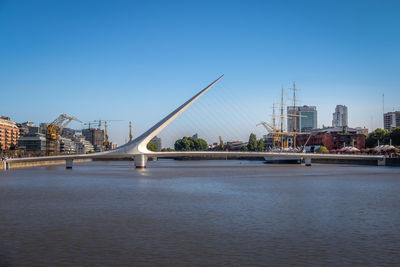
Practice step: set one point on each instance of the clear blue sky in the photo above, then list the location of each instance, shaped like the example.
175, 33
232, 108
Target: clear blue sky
138, 61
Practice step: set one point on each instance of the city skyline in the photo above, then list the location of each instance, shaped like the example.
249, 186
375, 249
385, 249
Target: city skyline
103, 60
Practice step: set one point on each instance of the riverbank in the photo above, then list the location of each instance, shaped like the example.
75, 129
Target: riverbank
17, 165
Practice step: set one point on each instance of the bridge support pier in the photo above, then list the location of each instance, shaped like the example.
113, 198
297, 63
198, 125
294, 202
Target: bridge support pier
140, 161
381, 162
69, 163
6, 165
307, 161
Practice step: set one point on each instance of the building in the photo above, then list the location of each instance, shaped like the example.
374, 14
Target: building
340, 117
157, 141
67, 146
33, 142
391, 120
333, 138
95, 137
43, 127
361, 130
68, 132
9, 134
28, 127
82, 145
307, 120
234, 146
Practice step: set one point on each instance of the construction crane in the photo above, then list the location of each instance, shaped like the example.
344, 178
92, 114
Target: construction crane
273, 131
104, 121
107, 144
130, 131
267, 126
90, 123
54, 130
221, 143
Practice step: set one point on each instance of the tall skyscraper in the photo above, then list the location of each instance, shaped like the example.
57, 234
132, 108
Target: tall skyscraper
391, 120
340, 116
307, 120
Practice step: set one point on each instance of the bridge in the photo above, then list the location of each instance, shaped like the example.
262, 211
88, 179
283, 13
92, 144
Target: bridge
137, 148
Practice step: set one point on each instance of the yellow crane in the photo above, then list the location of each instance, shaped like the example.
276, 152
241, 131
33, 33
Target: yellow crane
130, 131
221, 143
53, 131
272, 131
107, 144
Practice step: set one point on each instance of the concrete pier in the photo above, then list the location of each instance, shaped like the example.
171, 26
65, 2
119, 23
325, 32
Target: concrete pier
381, 162
140, 161
69, 163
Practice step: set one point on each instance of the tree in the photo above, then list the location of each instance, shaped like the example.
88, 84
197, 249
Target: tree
244, 148
151, 146
379, 134
260, 145
322, 149
167, 149
394, 135
252, 145
190, 144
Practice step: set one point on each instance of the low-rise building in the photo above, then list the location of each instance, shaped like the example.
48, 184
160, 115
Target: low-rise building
361, 130
82, 145
9, 134
234, 145
32, 142
67, 146
333, 138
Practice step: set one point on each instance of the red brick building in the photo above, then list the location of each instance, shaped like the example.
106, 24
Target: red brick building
9, 134
333, 138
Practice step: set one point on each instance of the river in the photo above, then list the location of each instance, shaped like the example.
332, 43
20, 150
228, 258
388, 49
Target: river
177, 213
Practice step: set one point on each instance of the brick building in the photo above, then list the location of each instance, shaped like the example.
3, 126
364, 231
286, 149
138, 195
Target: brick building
333, 138
9, 134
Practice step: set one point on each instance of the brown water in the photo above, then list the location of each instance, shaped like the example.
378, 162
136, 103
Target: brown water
200, 213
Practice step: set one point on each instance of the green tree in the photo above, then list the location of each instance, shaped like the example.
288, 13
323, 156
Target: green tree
167, 149
321, 149
190, 144
252, 145
151, 146
244, 148
379, 134
260, 145
394, 135
199, 144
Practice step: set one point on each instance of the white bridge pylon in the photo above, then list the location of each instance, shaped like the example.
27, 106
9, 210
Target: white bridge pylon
138, 146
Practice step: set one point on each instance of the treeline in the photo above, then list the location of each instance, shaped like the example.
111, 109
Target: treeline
254, 144
190, 144
384, 137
